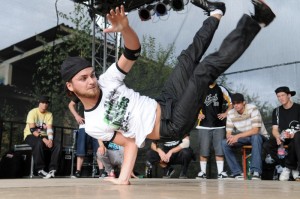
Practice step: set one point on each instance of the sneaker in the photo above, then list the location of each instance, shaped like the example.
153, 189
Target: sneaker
285, 175
103, 174
222, 175
295, 174
209, 6
279, 169
44, 174
182, 176
275, 174
111, 174
201, 175
263, 13
77, 173
297, 178
169, 173
52, 173
256, 176
237, 176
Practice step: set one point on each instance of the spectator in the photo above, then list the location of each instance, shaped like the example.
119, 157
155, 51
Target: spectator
111, 155
39, 134
250, 130
170, 153
285, 121
83, 140
211, 127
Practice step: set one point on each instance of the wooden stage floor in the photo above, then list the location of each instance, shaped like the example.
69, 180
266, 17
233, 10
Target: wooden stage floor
155, 188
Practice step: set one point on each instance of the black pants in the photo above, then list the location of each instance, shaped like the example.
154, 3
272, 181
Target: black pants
271, 147
182, 157
293, 157
38, 153
186, 88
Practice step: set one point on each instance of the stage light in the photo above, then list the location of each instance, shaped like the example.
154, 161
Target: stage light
162, 8
178, 5
145, 13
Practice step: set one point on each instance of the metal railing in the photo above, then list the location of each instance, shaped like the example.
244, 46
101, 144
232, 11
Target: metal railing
11, 133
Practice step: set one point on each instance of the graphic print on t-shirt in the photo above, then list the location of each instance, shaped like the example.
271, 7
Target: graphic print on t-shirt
116, 107
212, 99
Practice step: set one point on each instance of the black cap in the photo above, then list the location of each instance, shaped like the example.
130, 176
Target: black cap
237, 97
44, 99
71, 66
285, 89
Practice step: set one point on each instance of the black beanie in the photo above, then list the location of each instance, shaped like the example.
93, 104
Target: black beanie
71, 66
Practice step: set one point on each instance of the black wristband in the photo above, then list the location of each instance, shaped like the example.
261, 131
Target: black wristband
131, 54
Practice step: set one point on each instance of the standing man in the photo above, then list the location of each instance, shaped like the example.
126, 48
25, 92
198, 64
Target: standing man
39, 134
246, 120
114, 112
284, 119
83, 140
211, 127
171, 153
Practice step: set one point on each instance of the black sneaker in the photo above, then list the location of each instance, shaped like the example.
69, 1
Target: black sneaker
222, 175
104, 174
44, 174
169, 172
52, 173
201, 175
262, 12
182, 176
256, 176
209, 6
236, 177
77, 174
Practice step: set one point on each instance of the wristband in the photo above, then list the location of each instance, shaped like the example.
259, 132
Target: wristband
131, 54
50, 137
49, 131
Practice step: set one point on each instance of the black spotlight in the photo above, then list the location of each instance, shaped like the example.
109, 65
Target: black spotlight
178, 5
161, 9
145, 13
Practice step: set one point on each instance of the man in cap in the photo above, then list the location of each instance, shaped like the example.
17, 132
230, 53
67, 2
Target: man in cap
39, 134
285, 125
113, 112
249, 128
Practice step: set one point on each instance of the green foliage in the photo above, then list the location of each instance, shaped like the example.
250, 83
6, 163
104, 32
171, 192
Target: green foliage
152, 69
47, 79
7, 111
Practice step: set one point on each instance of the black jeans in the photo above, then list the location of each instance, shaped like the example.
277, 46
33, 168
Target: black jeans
186, 88
38, 153
271, 147
293, 157
182, 158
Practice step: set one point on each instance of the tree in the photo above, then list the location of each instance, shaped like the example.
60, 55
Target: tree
47, 79
152, 69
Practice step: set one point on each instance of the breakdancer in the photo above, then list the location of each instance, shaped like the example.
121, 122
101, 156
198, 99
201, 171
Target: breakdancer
114, 112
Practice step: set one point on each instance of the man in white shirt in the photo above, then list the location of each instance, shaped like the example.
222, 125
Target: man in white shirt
127, 118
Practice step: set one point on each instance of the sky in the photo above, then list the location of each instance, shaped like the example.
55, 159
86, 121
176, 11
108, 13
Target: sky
274, 45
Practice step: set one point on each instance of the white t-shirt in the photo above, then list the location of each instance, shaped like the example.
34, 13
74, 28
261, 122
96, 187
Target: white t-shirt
120, 109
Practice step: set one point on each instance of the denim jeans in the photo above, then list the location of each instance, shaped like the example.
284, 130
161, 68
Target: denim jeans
256, 159
83, 141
